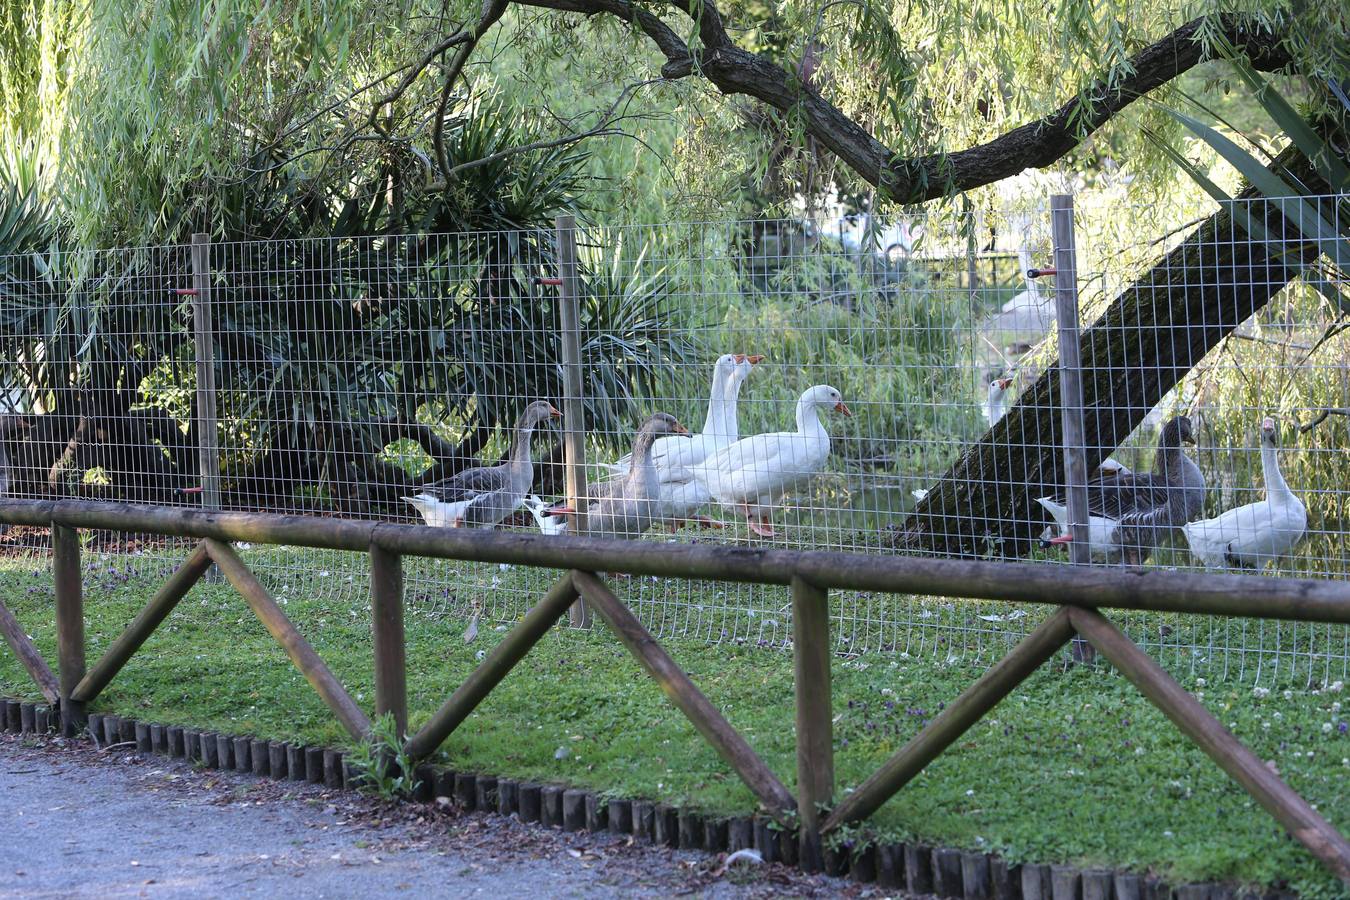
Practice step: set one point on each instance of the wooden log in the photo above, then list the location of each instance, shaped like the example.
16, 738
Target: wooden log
225, 754
947, 873
10, 715
332, 767
209, 753
551, 806
815, 729
1006, 880
69, 625
741, 834
500, 660
28, 656
766, 839
690, 830
918, 868
1035, 882
835, 861
508, 796
173, 736
445, 784
192, 745
329, 689
126, 731
644, 821
144, 625
143, 744
112, 730
352, 780
93, 727
573, 810
314, 765
43, 719
665, 826
260, 755
620, 816
241, 754
386, 605
158, 740
976, 880
1128, 886
681, 691
891, 865
788, 842
862, 864
276, 760
714, 834
948, 726
27, 718
1065, 883
1208, 593
531, 802
466, 790
597, 812
1097, 884
295, 762
485, 794
1303, 822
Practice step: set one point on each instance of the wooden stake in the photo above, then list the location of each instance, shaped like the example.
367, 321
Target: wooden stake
159, 607
676, 685
493, 669
948, 726
207, 426
1303, 822
386, 602
28, 655
815, 731
69, 624
574, 408
297, 648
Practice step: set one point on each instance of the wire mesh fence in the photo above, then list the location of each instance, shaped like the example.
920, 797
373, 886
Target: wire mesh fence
853, 385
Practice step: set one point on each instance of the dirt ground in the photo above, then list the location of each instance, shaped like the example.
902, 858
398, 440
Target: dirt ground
80, 822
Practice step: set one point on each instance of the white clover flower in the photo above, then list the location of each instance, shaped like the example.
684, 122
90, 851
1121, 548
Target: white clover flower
1200, 682
1260, 692
1265, 725
1336, 707
1326, 727
1336, 687
1289, 695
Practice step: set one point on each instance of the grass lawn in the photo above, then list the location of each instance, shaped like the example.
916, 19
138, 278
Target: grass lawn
1075, 767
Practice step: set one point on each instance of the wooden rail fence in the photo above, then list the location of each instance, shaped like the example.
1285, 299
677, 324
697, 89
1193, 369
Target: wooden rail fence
1077, 594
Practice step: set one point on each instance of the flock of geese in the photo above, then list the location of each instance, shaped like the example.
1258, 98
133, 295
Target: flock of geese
670, 474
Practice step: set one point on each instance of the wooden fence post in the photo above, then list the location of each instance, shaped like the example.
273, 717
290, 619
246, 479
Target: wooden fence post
69, 624
1071, 388
574, 410
815, 729
206, 427
386, 605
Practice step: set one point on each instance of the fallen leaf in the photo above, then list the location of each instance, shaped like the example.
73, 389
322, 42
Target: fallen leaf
472, 631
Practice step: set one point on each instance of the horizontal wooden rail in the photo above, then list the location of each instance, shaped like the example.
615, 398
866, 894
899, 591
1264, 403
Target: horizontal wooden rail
1205, 593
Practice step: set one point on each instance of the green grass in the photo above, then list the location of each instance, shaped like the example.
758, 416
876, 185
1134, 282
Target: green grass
1074, 767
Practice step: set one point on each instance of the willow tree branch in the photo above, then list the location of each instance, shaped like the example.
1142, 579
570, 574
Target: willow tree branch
734, 70
493, 10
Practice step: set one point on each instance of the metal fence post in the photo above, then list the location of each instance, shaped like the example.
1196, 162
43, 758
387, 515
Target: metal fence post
574, 421
207, 425
1071, 387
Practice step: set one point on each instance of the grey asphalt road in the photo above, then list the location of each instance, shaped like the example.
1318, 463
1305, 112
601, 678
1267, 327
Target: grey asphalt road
79, 822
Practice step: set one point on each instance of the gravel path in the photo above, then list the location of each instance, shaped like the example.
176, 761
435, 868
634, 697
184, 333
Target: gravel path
78, 822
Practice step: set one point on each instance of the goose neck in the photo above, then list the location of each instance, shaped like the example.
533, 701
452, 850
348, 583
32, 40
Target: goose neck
1276, 487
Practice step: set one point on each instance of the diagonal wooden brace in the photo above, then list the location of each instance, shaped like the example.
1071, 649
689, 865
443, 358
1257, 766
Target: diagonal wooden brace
159, 607
716, 730
297, 648
948, 726
1208, 733
493, 669
27, 654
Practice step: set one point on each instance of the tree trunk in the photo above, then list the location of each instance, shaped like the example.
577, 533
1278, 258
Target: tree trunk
1155, 332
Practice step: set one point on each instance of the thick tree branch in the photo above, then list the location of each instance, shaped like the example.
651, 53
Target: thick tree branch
1037, 144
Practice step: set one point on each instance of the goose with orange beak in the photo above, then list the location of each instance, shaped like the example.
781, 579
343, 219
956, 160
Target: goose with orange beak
482, 497
753, 474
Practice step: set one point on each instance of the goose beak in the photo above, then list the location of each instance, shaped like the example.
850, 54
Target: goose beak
1268, 425
841, 407
755, 359
553, 411
189, 490
563, 510
1062, 539
679, 429
1003, 383
739, 357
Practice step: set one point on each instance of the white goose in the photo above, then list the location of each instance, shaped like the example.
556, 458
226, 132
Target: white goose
549, 520
996, 407
677, 452
1250, 536
754, 472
